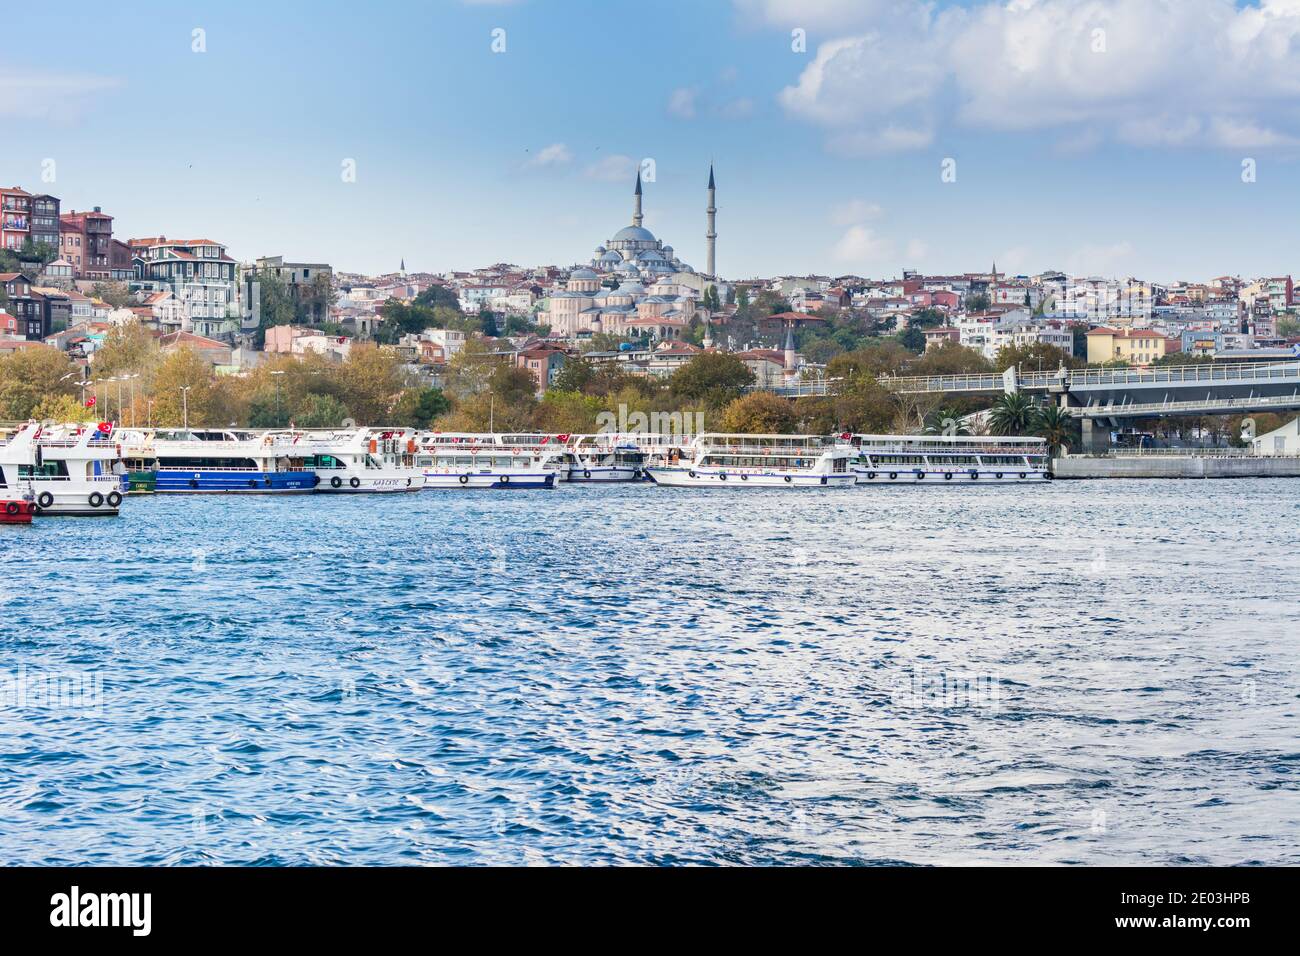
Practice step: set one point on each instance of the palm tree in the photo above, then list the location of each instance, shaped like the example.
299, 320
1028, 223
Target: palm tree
1012, 414
1058, 426
945, 421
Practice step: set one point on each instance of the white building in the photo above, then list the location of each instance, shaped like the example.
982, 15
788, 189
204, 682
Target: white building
1283, 441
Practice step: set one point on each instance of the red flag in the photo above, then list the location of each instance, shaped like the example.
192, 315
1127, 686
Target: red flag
90, 402
561, 438
545, 439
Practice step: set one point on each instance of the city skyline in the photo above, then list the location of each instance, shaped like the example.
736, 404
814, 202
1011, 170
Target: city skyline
868, 145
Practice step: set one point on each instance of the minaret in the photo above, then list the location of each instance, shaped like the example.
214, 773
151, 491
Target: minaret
711, 237
636, 205
791, 361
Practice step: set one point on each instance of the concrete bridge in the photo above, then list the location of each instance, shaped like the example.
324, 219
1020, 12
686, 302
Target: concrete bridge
1102, 396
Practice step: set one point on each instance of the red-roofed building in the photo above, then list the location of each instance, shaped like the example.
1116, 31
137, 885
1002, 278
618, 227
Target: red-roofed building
86, 241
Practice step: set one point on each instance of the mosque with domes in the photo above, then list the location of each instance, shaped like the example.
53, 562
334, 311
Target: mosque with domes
634, 284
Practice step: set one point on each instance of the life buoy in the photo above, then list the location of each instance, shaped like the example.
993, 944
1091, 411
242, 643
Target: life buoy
744, 477
691, 474
997, 474
920, 475
947, 476
893, 475
95, 499
722, 476
586, 472
464, 479
974, 475
267, 481
1022, 474
505, 479
11, 508
871, 476
45, 499
355, 482
114, 499
336, 482
789, 480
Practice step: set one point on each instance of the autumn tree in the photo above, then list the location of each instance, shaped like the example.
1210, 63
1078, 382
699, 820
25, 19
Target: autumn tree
31, 375
759, 413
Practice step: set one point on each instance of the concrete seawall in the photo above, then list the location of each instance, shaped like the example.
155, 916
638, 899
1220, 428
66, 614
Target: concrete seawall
1175, 466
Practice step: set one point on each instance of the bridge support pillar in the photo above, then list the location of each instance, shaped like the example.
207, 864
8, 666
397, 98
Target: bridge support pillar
1096, 437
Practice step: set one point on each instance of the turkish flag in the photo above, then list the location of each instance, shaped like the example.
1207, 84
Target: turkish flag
90, 402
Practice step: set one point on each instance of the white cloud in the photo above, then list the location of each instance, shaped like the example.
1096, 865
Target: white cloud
557, 154
893, 74
612, 168
681, 103
917, 249
861, 247
37, 94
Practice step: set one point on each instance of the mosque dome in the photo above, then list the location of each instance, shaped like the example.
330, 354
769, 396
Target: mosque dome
583, 274
634, 234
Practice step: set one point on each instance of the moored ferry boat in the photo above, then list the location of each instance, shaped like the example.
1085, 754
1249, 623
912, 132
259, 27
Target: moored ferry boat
219, 461
473, 460
604, 458
74, 469
758, 461
17, 501
931, 459
360, 460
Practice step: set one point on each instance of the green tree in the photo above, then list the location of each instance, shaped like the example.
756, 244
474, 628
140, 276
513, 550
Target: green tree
574, 375
1012, 414
714, 378
320, 411
946, 421
1058, 426
418, 407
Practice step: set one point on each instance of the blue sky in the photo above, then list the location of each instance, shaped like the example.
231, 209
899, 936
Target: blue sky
1123, 159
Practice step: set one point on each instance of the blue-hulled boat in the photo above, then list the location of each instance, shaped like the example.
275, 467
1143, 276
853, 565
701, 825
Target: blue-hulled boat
221, 461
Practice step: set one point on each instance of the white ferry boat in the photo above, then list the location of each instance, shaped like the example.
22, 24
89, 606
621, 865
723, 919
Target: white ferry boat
218, 460
662, 450
359, 460
472, 460
605, 458
74, 470
759, 461
17, 451
944, 459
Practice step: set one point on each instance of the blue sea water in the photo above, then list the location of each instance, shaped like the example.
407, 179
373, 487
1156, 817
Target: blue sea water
1095, 672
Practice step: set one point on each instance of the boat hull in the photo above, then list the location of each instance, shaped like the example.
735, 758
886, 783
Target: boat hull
469, 480
98, 497
931, 476
16, 511
709, 478
217, 481
362, 483
604, 473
